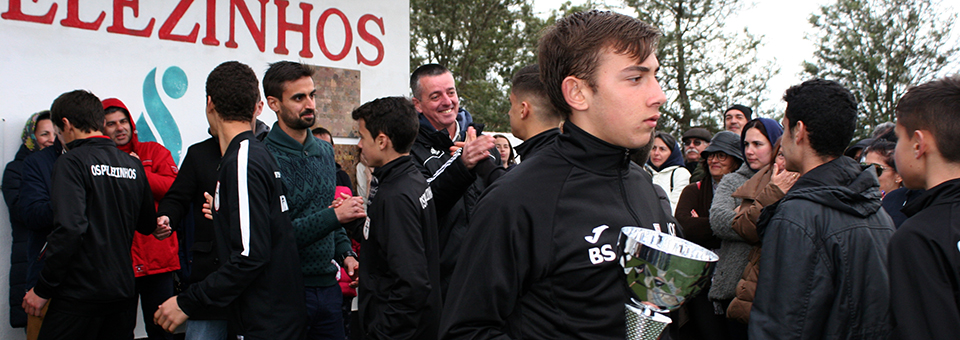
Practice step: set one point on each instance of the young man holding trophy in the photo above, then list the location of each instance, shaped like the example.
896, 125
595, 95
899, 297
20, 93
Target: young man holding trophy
540, 258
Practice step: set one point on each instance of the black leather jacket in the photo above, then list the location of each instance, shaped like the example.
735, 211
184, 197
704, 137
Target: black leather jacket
822, 271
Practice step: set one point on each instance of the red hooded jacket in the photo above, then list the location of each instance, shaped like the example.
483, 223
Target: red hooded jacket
151, 256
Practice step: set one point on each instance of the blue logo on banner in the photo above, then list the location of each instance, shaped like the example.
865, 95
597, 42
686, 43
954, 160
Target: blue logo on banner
175, 86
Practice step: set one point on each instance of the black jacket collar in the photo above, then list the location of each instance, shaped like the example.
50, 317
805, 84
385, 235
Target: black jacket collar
94, 140
392, 167
591, 153
533, 144
945, 192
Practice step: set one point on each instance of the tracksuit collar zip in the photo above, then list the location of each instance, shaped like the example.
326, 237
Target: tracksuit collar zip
591, 153
282, 141
95, 140
946, 192
390, 168
530, 146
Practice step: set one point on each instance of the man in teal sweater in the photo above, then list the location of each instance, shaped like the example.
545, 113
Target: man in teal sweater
309, 176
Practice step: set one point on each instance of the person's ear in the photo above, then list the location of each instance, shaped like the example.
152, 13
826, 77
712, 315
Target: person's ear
921, 144
416, 104
273, 103
800, 134
524, 109
259, 110
576, 93
382, 141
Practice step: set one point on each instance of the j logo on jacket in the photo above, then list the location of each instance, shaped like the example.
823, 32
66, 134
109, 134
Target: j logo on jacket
603, 253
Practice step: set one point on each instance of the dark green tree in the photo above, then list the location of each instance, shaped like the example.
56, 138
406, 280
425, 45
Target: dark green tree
704, 68
483, 43
878, 48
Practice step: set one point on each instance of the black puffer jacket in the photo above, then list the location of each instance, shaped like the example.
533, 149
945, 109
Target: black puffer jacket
823, 272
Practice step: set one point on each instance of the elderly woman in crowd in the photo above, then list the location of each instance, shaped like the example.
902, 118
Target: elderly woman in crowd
757, 140
667, 168
722, 157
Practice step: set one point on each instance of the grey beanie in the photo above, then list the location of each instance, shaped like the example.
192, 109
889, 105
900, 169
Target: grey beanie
726, 142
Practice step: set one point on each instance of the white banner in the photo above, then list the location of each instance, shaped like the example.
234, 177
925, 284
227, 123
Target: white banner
155, 57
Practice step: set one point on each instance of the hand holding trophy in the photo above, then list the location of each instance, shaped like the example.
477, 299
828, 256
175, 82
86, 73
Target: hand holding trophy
663, 270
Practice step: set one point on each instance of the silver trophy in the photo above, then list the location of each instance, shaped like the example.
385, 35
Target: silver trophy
661, 269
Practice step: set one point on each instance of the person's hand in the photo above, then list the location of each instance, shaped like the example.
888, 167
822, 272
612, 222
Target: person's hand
169, 316
163, 228
33, 303
350, 208
352, 267
207, 210
693, 213
475, 149
135, 155
337, 202
783, 179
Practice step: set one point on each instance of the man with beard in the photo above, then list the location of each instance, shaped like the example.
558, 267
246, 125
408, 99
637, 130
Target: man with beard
309, 176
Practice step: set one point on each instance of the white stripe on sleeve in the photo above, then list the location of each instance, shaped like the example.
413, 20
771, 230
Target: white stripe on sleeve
244, 196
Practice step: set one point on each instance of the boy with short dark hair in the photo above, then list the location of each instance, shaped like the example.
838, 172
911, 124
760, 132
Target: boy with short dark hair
400, 276
924, 258
260, 278
99, 196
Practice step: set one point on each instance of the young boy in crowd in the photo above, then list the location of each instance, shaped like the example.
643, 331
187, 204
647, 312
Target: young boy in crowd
400, 276
924, 258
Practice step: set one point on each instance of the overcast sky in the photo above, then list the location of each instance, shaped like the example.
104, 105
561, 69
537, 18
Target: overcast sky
783, 25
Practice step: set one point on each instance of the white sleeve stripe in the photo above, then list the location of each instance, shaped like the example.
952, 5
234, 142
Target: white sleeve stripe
244, 196
456, 154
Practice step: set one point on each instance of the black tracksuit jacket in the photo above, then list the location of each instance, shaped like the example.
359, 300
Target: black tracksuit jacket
540, 258
400, 272
197, 175
260, 278
924, 261
99, 197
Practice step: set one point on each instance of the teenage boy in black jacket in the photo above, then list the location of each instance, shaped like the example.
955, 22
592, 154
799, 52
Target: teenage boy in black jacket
539, 260
99, 196
260, 277
924, 259
400, 276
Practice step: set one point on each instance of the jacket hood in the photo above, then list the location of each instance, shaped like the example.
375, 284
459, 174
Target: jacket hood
28, 138
134, 141
676, 156
840, 184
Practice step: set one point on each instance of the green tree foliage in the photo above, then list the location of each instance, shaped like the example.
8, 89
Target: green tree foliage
704, 68
483, 42
878, 48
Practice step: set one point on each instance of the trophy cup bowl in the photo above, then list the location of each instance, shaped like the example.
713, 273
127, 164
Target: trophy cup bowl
661, 269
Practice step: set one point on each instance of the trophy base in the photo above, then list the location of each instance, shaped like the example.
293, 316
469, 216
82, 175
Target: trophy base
644, 322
